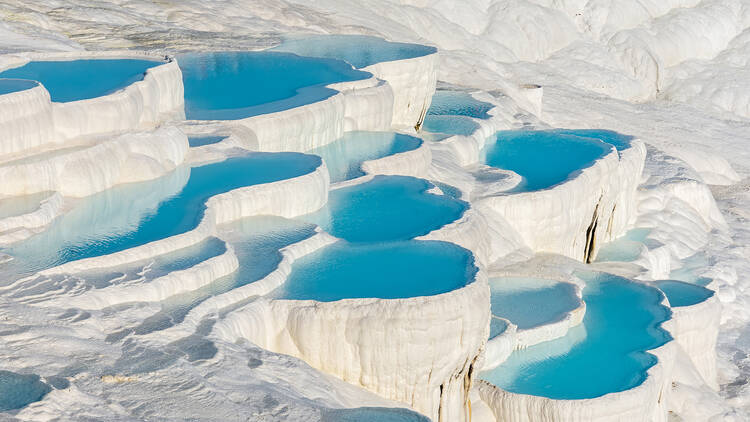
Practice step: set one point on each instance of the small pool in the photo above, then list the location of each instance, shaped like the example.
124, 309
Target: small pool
14, 85
626, 248
449, 125
358, 50
497, 326
386, 208
371, 414
543, 158
18, 205
391, 270
531, 302
680, 293
605, 354
199, 141
73, 80
18, 390
345, 156
235, 85
458, 103
134, 214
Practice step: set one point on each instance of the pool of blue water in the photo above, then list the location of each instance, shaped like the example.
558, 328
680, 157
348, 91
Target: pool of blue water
531, 302
371, 414
386, 208
605, 354
458, 103
18, 390
135, 214
449, 125
199, 141
345, 156
497, 326
616, 139
358, 50
235, 85
680, 293
626, 248
390, 270
74, 80
14, 85
542, 158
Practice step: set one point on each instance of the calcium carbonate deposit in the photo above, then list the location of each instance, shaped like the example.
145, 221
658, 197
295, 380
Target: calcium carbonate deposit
375, 210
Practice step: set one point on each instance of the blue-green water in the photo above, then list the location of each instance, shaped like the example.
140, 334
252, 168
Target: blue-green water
617, 140
358, 50
371, 414
626, 248
605, 354
199, 141
390, 270
17, 390
74, 80
450, 125
542, 158
235, 85
135, 214
458, 103
531, 302
14, 85
680, 293
497, 327
386, 208
345, 156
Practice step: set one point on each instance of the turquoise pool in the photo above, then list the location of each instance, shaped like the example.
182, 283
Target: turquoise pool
542, 158
680, 293
135, 214
449, 125
626, 248
14, 85
386, 208
345, 156
199, 141
458, 103
390, 270
358, 50
531, 302
73, 80
605, 354
18, 390
235, 85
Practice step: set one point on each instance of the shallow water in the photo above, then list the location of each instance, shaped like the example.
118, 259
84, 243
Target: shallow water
680, 293
18, 390
390, 270
14, 85
20, 205
605, 354
358, 50
74, 80
450, 125
386, 208
371, 414
458, 103
542, 158
135, 214
235, 85
624, 249
345, 156
199, 141
531, 302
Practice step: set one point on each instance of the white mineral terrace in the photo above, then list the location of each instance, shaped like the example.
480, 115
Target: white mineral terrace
262, 357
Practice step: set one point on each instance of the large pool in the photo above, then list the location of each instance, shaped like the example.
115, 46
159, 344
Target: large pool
18, 390
345, 156
531, 302
358, 50
605, 354
74, 80
386, 208
390, 270
235, 85
543, 158
135, 214
14, 85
